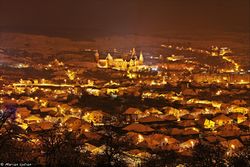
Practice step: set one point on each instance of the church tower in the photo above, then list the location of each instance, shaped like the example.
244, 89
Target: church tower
133, 52
141, 59
109, 58
97, 56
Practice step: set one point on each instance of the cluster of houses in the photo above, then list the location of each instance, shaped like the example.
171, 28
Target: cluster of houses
179, 130
34, 114
167, 128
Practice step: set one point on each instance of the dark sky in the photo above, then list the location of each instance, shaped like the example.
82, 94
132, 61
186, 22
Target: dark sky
123, 16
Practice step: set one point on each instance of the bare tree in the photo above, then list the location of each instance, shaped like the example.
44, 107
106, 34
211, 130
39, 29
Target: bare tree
113, 153
61, 148
208, 155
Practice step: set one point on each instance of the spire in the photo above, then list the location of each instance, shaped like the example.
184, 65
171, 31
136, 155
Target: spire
133, 52
97, 56
109, 57
141, 59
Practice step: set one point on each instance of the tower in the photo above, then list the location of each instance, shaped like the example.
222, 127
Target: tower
141, 59
109, 58
97, 56
133, 53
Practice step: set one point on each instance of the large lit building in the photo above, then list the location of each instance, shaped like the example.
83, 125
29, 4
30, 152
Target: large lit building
119, 63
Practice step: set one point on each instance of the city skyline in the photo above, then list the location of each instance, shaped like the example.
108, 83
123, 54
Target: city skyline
102, 83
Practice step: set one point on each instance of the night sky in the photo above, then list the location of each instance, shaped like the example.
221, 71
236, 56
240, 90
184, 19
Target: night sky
108, 17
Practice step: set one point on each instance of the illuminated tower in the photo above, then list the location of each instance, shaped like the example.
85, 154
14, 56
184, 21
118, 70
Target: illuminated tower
97, 56
71, 74
133, 53
141, 59
109, 58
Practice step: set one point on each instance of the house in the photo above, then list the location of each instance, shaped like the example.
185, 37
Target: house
183, 112
46, 125
132, 114
209, 124
232, 144
217, 104
214, 139
155, 141
171, 111
29, 103
133, 137
152, 111
52, 119
73, 102
34, 127
188, 144
41, 126
73, 123
150, 119
112, 91
92, 136
238, 118
169, 118
48, 109
176, 112
239, 102
97, 116
191, 131
53, 104
222, 120
10, 102
228, 130
176, 131
237, 109
138, 153
189, 92
245, 124
33, 119
64, 107
135, 157
85, 127
22, 112
35, 107
187, 117
196, 112
186, 123
245, 138
24, 126
136, 127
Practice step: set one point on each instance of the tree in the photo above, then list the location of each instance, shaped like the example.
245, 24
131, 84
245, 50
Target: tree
7, 113
63, 148
162, 158
12, 146
207, 155
113, 152
242, 157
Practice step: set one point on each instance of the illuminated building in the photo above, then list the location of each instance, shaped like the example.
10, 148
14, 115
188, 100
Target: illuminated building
141, 59
71, 74
209, 124
224, 77
119, 63
222, 120
97, 56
